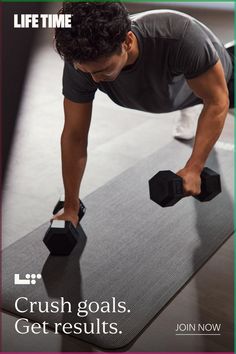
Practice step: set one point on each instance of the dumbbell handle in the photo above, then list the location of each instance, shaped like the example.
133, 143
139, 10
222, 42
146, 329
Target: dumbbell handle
179, 190
178, 185
60, 205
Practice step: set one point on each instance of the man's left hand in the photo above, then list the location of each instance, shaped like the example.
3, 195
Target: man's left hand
191, 181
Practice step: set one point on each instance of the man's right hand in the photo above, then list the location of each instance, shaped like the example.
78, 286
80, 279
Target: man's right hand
67, 215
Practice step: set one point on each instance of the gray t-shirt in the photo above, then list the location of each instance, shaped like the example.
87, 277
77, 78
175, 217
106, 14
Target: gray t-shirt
173, 47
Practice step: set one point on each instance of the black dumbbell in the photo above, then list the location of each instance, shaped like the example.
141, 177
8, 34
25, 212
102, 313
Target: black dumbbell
61, 237
166, 188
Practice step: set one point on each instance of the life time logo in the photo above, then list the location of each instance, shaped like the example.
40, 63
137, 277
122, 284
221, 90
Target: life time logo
29, 279
42, 20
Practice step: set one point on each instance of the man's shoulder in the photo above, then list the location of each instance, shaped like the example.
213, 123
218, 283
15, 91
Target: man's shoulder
161, 23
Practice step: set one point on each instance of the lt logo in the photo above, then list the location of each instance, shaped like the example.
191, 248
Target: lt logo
29, 279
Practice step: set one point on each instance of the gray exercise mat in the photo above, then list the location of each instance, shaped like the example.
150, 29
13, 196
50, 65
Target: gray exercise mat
134, 251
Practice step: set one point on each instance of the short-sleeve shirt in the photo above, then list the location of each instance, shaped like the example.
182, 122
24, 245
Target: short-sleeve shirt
173, 47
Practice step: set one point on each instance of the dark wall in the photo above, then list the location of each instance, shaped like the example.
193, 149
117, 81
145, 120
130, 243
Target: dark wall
17, 45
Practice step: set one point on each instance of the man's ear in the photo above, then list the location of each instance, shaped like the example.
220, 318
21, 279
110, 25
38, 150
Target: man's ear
128, 41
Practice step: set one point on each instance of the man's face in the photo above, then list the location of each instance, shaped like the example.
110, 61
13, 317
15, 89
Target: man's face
106, 68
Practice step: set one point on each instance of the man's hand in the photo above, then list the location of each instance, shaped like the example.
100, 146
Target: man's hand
68, 214
191, 181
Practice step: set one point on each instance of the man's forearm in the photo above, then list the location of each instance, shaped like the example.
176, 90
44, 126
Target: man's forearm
210, 125
74, 157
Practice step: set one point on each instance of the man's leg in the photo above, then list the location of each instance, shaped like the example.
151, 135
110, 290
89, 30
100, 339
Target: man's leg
186, 122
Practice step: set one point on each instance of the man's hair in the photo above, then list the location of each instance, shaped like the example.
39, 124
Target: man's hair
97, 30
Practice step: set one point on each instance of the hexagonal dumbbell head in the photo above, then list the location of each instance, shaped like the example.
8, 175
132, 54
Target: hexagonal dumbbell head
166, 188
61, 238
210, 186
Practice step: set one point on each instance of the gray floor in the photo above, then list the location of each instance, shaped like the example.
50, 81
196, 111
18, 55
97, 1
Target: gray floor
118, 139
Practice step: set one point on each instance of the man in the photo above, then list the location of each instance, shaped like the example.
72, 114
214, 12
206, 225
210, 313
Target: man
157, 61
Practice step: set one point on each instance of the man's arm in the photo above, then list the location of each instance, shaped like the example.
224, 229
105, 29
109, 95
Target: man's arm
74, 140
211, 87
